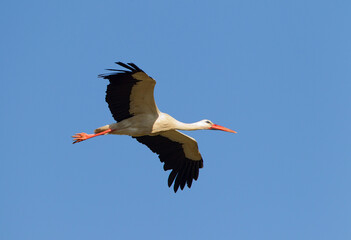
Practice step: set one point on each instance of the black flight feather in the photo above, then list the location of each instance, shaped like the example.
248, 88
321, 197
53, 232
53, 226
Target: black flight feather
119, 89
171, 153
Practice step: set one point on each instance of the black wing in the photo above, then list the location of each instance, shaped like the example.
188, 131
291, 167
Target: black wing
176, 156
130, 92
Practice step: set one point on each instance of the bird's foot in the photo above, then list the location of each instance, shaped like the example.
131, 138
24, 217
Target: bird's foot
81, 137
84, 136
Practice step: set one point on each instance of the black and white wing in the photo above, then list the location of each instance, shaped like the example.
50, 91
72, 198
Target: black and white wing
179, 153
130, 92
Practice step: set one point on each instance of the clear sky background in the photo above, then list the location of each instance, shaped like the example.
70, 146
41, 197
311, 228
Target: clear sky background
278, 72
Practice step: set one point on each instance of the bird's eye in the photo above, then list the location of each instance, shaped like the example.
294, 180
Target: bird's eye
208, 122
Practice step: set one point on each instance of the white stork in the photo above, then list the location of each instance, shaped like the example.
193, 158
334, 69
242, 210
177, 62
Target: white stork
130, 97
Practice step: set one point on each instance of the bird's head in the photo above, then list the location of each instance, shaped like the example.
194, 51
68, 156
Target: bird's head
207, 124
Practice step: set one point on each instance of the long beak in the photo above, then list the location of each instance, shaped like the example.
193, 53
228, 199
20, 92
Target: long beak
218, 127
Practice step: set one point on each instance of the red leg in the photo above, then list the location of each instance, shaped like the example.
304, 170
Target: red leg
84, 136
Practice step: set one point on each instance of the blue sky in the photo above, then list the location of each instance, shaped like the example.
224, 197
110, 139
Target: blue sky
278, 72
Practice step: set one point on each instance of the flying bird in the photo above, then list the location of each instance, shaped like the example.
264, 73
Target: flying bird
130, 98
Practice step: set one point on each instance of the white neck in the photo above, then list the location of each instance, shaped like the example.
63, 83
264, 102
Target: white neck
189, 126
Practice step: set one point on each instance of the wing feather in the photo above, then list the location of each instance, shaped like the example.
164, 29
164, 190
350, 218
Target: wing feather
130, 92
179, 153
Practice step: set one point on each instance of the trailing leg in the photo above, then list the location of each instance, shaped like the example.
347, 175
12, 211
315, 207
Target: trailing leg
79, 137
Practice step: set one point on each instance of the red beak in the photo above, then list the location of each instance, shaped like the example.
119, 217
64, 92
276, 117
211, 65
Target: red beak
218, 127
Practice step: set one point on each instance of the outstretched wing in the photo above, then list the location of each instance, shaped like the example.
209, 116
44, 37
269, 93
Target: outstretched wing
130, 92
179, 153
